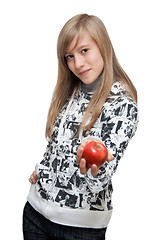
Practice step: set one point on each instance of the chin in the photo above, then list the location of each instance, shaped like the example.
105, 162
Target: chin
87, 81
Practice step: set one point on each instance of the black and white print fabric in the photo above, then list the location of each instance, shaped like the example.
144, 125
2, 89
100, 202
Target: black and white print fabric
59, 178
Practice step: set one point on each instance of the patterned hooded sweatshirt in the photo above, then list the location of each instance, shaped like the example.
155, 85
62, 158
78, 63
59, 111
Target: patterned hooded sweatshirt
62, 194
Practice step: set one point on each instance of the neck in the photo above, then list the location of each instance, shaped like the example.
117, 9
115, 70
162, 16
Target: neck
90, 87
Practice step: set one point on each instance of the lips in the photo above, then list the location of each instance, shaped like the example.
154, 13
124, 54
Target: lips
83, 73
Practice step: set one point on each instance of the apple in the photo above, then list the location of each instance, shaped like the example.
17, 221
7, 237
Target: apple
95, 153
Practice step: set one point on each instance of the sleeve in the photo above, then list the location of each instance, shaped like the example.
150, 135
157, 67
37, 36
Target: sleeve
119, 124
42, 168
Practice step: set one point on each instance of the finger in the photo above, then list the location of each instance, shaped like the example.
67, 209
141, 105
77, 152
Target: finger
79, 154
80, 151
110, 157
94, 170
35, 175
83, 168
30, 180
33, 178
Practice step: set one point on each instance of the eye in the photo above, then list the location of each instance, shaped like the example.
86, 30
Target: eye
68, 56
84, 50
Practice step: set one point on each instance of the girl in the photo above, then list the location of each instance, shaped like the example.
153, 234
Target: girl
93, 99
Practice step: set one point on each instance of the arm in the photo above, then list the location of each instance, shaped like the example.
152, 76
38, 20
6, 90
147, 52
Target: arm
116, 132
34, 176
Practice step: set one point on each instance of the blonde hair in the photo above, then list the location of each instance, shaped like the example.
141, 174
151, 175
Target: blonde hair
67, 82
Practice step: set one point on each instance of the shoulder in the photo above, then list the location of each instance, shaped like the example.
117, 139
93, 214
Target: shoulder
119, 118
119, 99
117, 90
121, 106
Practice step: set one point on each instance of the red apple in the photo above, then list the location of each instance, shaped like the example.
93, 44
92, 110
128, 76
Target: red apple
95, 153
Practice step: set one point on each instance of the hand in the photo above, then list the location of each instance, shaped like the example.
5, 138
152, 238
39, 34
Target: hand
82, 162
33, 178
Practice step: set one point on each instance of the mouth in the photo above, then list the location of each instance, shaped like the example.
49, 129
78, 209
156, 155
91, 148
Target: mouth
83, 73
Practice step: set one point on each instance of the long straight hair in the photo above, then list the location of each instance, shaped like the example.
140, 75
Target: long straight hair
67, 82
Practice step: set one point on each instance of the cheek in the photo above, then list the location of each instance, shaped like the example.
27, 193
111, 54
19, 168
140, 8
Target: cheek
96, 60
99, 63
70, 65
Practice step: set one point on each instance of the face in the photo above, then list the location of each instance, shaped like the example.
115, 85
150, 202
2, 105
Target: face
84, 60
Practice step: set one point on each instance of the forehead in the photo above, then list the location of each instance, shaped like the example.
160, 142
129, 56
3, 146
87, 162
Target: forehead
79, 41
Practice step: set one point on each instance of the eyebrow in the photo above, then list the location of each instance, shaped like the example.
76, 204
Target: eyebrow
80, 47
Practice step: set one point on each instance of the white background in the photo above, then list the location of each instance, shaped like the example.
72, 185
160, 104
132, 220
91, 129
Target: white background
28, 72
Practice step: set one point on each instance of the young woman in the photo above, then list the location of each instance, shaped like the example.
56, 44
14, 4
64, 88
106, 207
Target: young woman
93, 99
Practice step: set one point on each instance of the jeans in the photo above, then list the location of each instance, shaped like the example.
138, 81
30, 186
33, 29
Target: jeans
37, 227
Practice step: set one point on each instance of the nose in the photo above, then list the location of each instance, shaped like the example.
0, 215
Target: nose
79, 61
